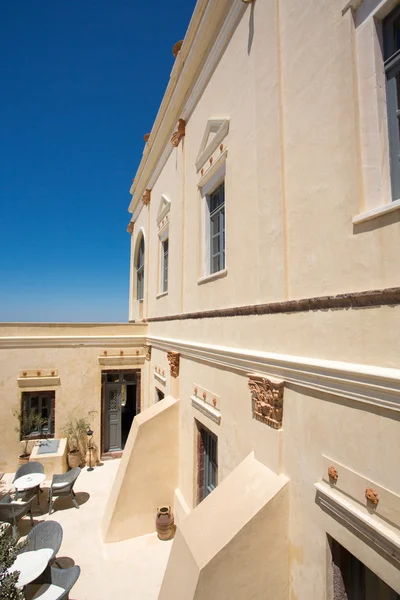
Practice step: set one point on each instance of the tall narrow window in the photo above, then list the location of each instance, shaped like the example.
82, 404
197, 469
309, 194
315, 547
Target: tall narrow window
216, 204
207, 478
140, 271
164, 283
391, 38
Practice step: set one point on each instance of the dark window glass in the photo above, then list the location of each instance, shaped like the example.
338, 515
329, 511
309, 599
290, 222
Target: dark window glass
165, 248
37, 417
391, 39
216, 203
140, 271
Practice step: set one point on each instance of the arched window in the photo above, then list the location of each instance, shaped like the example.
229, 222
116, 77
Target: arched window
140, 271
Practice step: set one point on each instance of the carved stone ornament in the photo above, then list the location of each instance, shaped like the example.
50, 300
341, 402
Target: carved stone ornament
147, 352
173, 359
146, 197
267, 398
176, 48
130, 227
372, 496
179, 133
333, 474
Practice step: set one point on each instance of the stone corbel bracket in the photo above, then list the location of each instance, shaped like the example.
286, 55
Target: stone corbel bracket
267, 399
130, 227
147, 352
146, 197
179, 133
173, 359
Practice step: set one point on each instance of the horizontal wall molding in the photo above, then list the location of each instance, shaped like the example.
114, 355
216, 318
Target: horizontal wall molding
378, 386
207, 410
73, 341
380, 536
368, 299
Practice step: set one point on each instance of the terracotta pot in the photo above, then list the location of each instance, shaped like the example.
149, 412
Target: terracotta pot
22, 459
165, 523
74, 459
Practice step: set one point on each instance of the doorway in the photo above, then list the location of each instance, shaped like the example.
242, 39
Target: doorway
120, 405
352, 580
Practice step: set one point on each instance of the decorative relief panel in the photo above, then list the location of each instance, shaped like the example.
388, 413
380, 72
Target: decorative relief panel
179, 133
173, 359
147, 352
146, 197
267, 398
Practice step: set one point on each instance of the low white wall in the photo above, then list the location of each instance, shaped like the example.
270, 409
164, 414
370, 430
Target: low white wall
147, 475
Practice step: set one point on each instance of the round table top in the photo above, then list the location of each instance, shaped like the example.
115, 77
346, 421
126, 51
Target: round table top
27, 482
31, 565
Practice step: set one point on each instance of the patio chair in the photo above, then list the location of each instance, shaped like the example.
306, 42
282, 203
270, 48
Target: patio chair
47, 534
57, 586
11, 511
26, 469
62, 485
32, 466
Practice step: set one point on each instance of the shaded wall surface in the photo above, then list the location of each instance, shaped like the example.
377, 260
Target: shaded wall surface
235, 543
147, 475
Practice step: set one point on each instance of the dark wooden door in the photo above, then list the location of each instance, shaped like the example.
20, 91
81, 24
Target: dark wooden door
113, 418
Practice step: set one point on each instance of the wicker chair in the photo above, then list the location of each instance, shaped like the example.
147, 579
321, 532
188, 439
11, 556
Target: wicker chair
26, 469
47, 534
62, 485
12, 511
63, 579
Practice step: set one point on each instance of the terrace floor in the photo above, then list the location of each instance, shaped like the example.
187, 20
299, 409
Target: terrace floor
129, 569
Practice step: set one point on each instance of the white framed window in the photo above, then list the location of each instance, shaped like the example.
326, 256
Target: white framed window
164, 265
214, 222
376, 25
163, 236
216, 208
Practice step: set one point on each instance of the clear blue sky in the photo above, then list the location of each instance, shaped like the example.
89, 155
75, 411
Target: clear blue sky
81, 82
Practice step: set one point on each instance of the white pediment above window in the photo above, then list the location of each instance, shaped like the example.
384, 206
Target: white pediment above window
216, 130
163, 209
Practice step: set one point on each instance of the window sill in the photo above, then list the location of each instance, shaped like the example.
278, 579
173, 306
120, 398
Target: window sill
217, 275
161, 295
376, 212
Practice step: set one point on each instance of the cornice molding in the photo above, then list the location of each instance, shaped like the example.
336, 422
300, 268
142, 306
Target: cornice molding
366, 299
369, 385
72, 341
352, 5
205, 30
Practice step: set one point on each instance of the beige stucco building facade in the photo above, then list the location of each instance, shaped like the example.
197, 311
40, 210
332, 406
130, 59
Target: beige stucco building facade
264, 312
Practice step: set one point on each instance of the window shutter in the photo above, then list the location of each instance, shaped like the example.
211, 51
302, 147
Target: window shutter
52, 415
138, 390
24, 411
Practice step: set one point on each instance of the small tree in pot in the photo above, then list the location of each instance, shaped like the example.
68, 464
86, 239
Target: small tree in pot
9, 549
75, 432
28, 425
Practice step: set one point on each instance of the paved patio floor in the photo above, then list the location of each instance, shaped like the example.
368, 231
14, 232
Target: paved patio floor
132, 569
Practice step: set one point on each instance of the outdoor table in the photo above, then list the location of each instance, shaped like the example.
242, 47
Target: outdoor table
28, 482
31, 565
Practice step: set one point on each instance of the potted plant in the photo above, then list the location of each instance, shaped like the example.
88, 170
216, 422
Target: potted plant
9, 550
75, 432
27, 424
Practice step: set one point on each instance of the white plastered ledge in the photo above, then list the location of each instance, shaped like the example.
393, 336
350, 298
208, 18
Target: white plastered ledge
380, 534
213, 276
235, 543
376, 212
